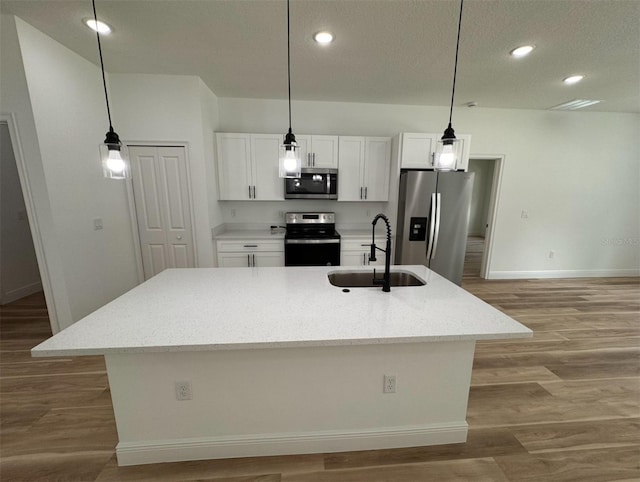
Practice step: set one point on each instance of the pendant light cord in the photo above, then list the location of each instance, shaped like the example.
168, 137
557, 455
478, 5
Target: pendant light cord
455, 68
289, 64
104, 79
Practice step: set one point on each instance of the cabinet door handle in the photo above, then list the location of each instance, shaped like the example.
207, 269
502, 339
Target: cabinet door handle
250, 245
314, 159
309, 159
365, 192
253, 257
254, 192
248, 261
249, 192
360, 192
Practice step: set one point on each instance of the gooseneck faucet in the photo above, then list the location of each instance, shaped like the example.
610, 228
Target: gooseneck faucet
385, 281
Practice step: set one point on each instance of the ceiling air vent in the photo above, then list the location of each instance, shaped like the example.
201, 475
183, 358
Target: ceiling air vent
575, 104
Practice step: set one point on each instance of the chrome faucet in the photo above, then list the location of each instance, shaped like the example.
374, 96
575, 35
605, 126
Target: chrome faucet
385, 281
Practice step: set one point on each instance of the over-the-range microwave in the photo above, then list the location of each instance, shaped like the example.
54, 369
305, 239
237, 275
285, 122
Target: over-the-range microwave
313, 183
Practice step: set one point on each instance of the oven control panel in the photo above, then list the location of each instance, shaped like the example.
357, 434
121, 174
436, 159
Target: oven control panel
310, 218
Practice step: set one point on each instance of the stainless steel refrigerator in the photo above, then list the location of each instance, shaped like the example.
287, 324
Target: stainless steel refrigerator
433, 220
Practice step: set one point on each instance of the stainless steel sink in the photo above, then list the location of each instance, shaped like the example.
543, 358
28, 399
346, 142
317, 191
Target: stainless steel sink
364, 279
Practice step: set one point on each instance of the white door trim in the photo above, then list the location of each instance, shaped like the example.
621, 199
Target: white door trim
496, 185
38, 243
132, 207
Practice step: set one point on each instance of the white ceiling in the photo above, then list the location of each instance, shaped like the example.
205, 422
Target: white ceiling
385, 51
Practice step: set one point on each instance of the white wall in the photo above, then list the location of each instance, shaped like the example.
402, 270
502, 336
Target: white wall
19, 274
14, 100
87, 268
172, 108
576, 173
482, 182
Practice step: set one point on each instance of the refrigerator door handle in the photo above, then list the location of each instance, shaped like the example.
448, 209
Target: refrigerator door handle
432, 226
437, 225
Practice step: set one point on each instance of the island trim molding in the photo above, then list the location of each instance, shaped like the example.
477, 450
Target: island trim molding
205, 448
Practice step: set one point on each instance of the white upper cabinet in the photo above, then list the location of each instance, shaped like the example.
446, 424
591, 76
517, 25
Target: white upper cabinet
417, 150
234, 166
364, 165
248, 167
318, 151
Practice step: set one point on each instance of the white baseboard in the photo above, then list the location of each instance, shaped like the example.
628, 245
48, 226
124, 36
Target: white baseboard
21, 292
578, 273
157, 451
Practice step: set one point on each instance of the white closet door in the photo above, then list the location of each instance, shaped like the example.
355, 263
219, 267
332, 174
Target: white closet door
161, 195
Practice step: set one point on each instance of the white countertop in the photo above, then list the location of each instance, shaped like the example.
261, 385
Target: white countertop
249, 234
246, 308
266, 234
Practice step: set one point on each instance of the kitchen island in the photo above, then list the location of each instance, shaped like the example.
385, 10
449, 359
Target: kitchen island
279, 361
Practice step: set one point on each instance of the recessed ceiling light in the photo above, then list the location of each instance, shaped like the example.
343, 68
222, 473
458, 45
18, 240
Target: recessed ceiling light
100, 27
522, 51
573, 79
323, 38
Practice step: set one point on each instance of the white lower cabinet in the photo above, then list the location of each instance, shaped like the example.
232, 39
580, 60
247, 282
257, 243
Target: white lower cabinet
250, 253
356, 252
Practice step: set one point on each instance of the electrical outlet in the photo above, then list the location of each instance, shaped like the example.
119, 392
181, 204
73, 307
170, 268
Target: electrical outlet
183, 391
524, 215
389, 384
97, 224
233, 213
552, 254
368, 213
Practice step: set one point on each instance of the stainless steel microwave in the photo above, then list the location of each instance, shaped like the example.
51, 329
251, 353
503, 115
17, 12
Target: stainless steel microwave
313, 183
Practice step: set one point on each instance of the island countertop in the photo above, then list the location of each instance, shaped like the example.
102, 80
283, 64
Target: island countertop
240, 308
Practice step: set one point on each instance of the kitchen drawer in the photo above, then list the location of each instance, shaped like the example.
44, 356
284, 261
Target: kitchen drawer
357, 244
249, 245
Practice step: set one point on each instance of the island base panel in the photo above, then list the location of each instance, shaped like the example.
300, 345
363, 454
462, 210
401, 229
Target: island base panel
289, 400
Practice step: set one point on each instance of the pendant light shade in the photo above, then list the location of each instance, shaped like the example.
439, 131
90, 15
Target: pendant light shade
290, 164
448, 147
113, 155
447, 151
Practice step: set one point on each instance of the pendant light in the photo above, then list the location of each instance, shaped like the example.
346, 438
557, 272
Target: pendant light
290, 162
113, 155
447, 148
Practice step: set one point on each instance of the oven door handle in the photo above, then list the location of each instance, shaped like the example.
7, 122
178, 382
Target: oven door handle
311, 241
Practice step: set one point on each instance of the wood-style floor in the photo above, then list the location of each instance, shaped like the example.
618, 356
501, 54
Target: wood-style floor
563, 406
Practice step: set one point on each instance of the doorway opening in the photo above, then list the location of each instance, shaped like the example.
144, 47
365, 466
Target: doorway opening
484, 203
19, 271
